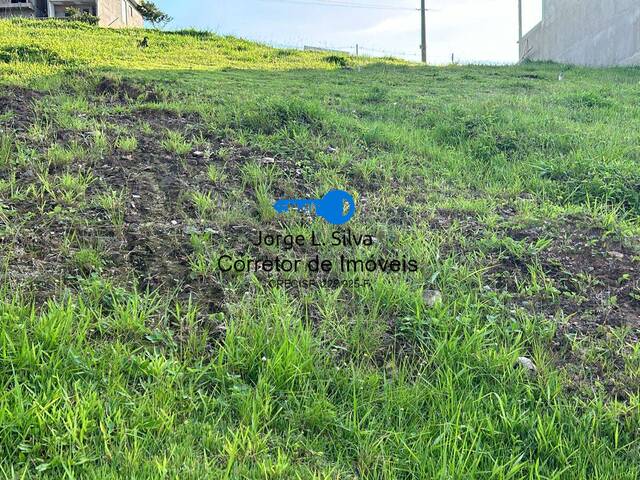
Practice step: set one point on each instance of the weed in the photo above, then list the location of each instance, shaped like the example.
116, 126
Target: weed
175, 142
216, 174
224, 154
41, 131
264, 202
29, 54
100, 143
127, 144
88, 260
257, 175
146, 128
113, 204
61, 156
337, 60
204, 203
72, 187
6, 150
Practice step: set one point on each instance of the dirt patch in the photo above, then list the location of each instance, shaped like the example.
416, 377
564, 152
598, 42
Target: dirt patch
155, 242
591, 273
150, 247
149, 250
17, 104
123, 91
590, 282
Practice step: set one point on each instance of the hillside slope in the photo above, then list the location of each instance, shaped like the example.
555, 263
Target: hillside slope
127, 350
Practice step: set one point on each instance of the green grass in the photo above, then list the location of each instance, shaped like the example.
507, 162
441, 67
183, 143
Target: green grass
126, 352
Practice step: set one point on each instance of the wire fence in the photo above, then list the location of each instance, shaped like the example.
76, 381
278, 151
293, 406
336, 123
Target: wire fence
355, 50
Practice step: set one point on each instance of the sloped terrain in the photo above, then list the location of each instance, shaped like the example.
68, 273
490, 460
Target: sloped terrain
127, 174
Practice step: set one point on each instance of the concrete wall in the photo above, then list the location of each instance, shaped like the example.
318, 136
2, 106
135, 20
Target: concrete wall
586, 32
119, 13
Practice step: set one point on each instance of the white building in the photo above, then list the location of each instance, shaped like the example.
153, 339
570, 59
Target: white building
111, 13
586, 32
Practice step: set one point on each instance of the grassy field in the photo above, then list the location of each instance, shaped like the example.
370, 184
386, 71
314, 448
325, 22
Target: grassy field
127, 173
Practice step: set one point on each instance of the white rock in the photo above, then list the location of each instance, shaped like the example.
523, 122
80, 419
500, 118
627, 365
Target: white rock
432, 297
528, 365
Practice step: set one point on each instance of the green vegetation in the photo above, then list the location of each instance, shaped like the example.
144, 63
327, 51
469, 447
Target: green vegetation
152, 14
75, 14
127, 173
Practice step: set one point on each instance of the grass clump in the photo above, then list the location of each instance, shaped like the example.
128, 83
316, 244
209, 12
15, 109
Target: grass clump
113, 203
216, 174
71, 187
88, 260
61, 156
204, 203
6, 150
127, 144
175, 142
29, 54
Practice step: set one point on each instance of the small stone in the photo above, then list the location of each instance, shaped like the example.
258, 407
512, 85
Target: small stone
617, 255
331, 149
528, 365
174, 223
432, 297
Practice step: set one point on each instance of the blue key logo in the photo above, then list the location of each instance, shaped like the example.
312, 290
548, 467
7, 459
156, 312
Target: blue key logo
336, 207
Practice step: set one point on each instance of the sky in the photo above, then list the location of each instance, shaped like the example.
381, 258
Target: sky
474, 31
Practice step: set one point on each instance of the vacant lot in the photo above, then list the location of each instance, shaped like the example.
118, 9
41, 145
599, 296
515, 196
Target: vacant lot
127, 173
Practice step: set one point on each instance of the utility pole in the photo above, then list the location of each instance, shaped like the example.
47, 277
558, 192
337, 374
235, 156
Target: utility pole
519, 21
423, 15
520, 49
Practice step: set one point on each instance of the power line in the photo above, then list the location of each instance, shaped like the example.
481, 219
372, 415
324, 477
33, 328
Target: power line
342, 3
361, 4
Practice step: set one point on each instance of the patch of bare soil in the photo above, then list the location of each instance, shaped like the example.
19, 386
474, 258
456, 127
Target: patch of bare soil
150, 250
123, 91
154, 243
18, 104
597, 292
